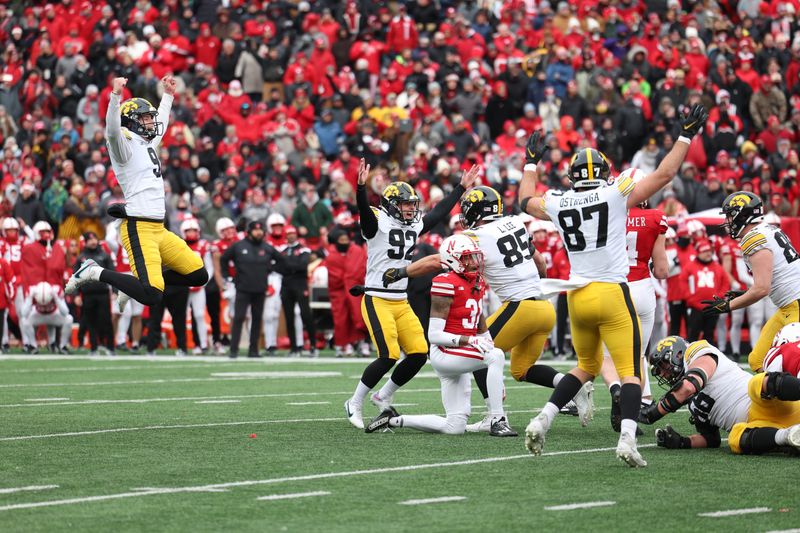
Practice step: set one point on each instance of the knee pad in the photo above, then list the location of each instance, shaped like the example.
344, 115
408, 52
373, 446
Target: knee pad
153, 296
456, 424
782, 386
755, 441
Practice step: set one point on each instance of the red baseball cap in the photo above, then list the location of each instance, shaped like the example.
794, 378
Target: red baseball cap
290, 229
703, 246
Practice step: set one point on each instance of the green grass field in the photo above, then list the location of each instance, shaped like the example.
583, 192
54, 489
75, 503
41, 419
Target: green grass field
159, 444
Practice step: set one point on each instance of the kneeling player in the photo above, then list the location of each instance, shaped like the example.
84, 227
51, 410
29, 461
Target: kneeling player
761, 412
784, 356
461, 345
44, 307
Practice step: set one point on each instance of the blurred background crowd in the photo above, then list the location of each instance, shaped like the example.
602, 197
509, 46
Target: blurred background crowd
279, 100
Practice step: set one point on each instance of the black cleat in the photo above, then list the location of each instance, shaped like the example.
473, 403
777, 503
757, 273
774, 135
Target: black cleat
500, 428
381, 421
569, 409
616, 412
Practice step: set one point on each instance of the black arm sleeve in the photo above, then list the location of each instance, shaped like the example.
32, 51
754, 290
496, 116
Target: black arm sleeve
442, 209
710, 433
226, 256
369, 222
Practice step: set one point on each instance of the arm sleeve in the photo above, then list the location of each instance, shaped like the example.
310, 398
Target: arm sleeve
226, 257
164, 109
116, 140
209, 263
369, 222
442, 209
437, 335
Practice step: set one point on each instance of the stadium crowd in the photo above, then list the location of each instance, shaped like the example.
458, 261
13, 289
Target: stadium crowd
279, 100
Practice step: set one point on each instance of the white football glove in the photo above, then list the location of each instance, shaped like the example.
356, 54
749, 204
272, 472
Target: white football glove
482, 344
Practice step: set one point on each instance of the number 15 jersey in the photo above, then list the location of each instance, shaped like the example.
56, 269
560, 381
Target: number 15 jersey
508, 259
391, 247
785, 265
592, 225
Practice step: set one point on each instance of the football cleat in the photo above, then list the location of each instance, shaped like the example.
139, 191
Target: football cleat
793, 438
122, 301
584, 401
484, 426
627, 452
354, 415
380, 403
89, 271
616, 412
570, 409
535, 434
500, 428
382, 420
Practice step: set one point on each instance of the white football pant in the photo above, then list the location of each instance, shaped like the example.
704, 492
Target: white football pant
133, 309
197, 305
455, 374
53, 320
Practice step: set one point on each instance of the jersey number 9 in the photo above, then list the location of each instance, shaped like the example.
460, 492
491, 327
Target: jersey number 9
156, 161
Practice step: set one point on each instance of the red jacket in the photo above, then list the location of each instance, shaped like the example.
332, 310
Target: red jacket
402, 34
705, 281
346, 270
7, 284
40, 264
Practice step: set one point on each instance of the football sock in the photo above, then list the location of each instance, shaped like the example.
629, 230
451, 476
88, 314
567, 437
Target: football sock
408, 368
396, 422
557, 379
361, 391
130, 285
628, 426
782, 437
373, 374
566, 390
646, 379
630, 402
494, 383
388, 389
198, 278
480, 381
542, 375
430, 423
550, 410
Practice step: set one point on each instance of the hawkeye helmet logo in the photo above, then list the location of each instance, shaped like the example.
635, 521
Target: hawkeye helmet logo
740, 200
391, 191
129, 107
476, 196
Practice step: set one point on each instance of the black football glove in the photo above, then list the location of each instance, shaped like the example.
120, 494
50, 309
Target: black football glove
671, 439
730, 295
393, 275
717, 306
694, 121
650, 415
357, 290
535, 149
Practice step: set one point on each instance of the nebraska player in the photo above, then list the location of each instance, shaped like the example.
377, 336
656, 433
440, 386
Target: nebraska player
784, 356
644, 236
730, 255
11, 251
705, 279
190, 231
7, 290
226, 231
45, 306
460, 345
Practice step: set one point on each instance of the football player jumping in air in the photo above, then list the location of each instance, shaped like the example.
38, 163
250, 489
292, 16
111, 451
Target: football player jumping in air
133, 136
591, 218
391, 233
512, 269
761, 412
775, 266
460, 345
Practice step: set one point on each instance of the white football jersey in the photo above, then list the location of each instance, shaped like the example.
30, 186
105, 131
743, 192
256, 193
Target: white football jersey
391, 247
592, 224
137, 163
508, 259
724, 401
785, 265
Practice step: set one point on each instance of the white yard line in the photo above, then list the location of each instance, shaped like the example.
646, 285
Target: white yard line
735, 512
308, 403
443, 499
309, 477
111, 367
276, 374
271, 375
220, 401
273, 497
27, 489
795, 530
573, 506
46, 399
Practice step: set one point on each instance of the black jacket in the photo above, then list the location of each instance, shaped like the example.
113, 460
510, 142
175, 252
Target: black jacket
296, 257
253, 263
101, 258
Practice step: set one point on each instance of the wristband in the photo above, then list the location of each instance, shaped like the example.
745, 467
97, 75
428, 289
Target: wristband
684, 139
686, 443
530, 167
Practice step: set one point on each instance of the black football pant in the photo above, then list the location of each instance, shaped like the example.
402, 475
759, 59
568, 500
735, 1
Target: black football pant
175, 301
298, 295
700, 323
255, 301
96, 319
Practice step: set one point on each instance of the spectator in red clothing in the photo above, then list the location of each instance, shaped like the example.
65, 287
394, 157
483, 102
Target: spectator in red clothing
207, 47
705, 279
180, 48
402, 32
301, 110
347, 264
768, 139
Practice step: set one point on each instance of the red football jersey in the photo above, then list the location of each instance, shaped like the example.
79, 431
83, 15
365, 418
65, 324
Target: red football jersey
12, 252
201, 248
783, 358
643, 228
219, 246
465, 310
121, 259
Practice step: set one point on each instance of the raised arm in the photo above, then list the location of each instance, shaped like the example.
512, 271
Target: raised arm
368, 220
443, 208
164, 108
116, 140
691, 124
528, 203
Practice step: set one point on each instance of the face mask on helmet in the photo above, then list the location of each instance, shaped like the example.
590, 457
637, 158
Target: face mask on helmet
667, 361
741, 209
140, 117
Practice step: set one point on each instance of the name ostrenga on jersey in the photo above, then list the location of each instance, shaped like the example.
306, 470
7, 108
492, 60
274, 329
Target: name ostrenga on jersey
574, 202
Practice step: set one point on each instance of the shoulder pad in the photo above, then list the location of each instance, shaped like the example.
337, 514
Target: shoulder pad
625, 185
753, 241
127, 134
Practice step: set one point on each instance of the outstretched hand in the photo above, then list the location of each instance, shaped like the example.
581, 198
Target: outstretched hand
693, 122
469, 177
535, 149
118, 84
170, 85
363, 171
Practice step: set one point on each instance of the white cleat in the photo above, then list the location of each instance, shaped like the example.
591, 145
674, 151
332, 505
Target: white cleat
627, 452
354, 414
535, 433
484, 426
584, 401
380, 403
89, 271
793, 437
122, 301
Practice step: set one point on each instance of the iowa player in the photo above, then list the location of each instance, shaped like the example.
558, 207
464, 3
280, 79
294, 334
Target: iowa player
512, 269
391, 232
133, 136
761, 412
776, 270
591, 218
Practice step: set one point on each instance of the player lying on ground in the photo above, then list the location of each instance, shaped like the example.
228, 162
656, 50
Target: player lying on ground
460, 345
512, 269
761, 413
133, 136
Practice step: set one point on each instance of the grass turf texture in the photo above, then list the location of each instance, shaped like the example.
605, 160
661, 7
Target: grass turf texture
509, 492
